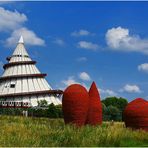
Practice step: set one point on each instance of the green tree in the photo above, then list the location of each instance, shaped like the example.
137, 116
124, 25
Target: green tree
59, 110
104, 112
104, 108
120, 103
114, 108
113, 113
42, 103
52, 111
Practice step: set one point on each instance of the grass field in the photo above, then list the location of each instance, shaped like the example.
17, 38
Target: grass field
21, 131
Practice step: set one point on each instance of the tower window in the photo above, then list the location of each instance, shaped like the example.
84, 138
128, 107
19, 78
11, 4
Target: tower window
12, 86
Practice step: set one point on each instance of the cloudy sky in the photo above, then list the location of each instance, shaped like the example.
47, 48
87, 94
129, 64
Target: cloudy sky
81, 42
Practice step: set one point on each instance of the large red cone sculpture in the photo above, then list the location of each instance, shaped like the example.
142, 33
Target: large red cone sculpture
75, 104
136, 114
94, 116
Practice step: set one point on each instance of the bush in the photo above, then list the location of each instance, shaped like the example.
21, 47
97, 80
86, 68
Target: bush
113, 108
50, 111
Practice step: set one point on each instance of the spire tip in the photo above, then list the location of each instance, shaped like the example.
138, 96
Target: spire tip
21, 40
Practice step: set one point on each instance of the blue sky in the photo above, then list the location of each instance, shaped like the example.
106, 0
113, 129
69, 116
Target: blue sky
81, 42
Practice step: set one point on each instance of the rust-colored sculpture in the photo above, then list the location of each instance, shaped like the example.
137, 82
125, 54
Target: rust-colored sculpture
75, 104
94, 115
136, 114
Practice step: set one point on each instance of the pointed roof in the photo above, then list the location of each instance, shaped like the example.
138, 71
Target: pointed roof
22, 80
20, 53
21, 40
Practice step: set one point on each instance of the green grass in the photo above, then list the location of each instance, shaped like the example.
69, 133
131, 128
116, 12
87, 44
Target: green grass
21, 131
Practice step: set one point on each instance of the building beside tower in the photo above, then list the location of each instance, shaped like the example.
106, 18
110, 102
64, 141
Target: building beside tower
22, 81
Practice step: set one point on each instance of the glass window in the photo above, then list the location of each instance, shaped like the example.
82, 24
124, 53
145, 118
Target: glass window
12, 85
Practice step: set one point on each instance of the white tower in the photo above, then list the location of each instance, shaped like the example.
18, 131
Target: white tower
22, 81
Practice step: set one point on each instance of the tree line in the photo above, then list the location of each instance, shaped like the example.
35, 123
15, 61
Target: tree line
112, 107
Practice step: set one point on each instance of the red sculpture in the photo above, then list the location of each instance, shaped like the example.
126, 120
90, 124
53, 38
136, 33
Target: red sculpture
136, 114
94, 116
75, 104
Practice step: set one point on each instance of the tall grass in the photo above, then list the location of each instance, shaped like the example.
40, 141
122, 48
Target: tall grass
20, 131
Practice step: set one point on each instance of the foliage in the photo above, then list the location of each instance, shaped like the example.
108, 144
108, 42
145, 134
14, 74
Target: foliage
120, 103
50, 111
42, 103
113, 108
43, 132
113, 113
11, 111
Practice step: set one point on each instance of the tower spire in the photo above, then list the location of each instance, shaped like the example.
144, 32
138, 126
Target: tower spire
21, 40
22, 81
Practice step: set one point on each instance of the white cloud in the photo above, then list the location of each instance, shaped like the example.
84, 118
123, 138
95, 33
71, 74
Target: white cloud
119, 39
85, 85
10, 20
87, 45
143, 67
81, 32
13, 22
30, 38
82, 59
107, 92
130, 89
84, 76
59, 42
69, 81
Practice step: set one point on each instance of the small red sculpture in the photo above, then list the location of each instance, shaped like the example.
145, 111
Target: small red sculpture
94, 116
75, 104
136, 114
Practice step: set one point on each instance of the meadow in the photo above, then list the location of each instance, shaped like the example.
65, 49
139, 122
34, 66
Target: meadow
22, 131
